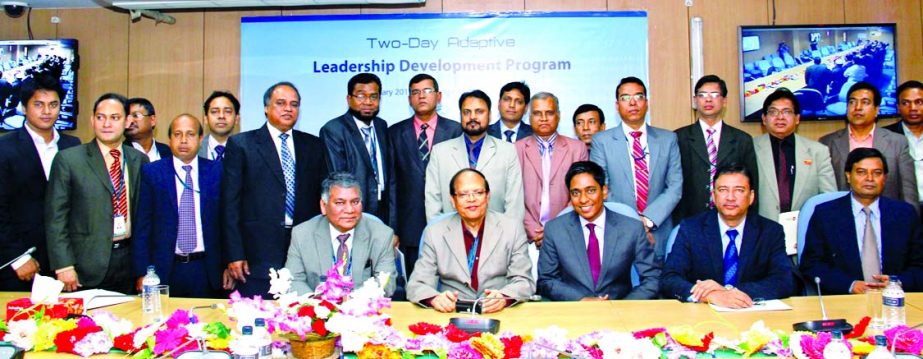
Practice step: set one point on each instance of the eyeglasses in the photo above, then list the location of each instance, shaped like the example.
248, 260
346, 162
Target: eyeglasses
636, 97
427, 91
471, 195
137, 115
362, 97
774, 112
705, 95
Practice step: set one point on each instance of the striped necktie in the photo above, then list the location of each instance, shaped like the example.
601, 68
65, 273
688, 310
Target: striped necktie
641, 173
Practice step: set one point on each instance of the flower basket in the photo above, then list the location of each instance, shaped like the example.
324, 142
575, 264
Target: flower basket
312, 346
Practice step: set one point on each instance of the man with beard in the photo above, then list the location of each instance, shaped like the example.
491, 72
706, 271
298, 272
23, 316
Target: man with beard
496, 159
357, 143
222, 113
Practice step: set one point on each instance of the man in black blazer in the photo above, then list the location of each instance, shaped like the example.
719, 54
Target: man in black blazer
514, 98
25, 161
357, 143
410, 159
267, 188
140, 129
700, 161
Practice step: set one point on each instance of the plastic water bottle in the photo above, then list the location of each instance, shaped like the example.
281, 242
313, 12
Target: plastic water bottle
881, 349
892, 299
262, 338
248, 348
150, 301
837, 349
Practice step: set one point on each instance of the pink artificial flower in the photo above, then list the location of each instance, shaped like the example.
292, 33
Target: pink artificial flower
168, 339
909, 341
179, 318
463, 351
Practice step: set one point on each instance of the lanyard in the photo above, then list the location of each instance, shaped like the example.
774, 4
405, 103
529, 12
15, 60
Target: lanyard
121, 186
349, 262
472, 254
185, 185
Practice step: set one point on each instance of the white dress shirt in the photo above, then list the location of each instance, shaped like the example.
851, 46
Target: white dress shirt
631, 160
725, 240
859, 219
290, 143
212, 143
515, 130
152, 155
46, 151
180, 176
717, 136
600, 231
916, 152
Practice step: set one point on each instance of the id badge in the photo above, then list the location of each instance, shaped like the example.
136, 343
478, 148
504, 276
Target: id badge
118, 226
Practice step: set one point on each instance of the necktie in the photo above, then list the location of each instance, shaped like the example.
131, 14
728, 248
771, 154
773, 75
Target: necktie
509, 135
546, 148
592, 253
712, 161
288, 172
423, 144
472, 160
373, 157
870, 263
342, 251
119, 197
641, 175
730, 259
186, 238
782, 178
219, 152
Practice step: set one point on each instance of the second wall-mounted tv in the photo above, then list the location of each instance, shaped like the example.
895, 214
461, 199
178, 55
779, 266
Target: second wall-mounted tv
818, 63
22, 59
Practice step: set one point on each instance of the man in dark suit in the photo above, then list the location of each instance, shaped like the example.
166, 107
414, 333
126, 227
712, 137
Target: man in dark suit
222, 113
514, 97
411, 157
90, 204
25, 160
818, 76
140, 129
861, 130
588, 253
178, 229
910, 107
588, 120
271, 182
730, 256
854, 242
357, 142
708, 144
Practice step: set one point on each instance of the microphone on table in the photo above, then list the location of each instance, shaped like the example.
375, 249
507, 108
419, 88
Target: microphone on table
823, 325
476, 324
26, 253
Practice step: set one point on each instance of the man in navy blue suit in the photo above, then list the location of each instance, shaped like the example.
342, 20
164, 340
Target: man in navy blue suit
177, 229
857, 241
271, 182
730, 256
514, 98
25, 162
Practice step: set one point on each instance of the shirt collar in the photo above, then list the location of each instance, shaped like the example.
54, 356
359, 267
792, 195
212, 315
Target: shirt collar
105, 148
514, 129
417, 121
723, 227
334, 232
600, 221
39, 140
788, 140
906, 130
212, 142
550, 141
871, 133
628, 130
858, 207
275, 132
361, 124
477, 143
178, 165
706, 127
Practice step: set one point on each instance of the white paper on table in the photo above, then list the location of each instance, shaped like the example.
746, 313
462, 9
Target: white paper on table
763, 306
103, 298
789, 222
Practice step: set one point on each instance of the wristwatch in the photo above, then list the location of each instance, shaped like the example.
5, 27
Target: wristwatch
648, 223
728, 287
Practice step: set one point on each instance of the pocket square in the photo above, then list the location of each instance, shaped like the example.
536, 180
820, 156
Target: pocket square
808, 162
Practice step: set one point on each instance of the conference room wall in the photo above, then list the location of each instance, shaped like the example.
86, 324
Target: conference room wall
177, 66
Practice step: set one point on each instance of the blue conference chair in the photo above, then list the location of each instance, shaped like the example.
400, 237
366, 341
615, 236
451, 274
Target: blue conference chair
626, 211
433, 220
670, 241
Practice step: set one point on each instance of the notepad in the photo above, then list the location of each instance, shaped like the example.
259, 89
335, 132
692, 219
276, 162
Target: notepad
98, 298
759, 306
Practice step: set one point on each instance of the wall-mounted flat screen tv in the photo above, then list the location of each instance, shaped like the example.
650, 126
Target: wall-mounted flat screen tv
818, 63
22, 59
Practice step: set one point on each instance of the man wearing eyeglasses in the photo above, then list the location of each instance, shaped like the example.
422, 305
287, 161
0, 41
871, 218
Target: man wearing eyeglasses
474, 253
910, 107
514, 97
792, 168
707, 144
412, 141
357, 143
642, 163
140, 129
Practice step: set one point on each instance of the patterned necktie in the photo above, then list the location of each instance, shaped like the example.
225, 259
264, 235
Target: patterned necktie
472, 161
641, 175
712, 162
509, 135
782, 179
288, 172
342, 250
730, 259
186, 238
423, 144
592, 253
372, 146
546, 149
119, 197
219, 152
870, 262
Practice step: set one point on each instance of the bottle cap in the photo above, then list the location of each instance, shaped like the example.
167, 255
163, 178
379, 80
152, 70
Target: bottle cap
150, 268
259, 322
881, 340
247, 330
836, 334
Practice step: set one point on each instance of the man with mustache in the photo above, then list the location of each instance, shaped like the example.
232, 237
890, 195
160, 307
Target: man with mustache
910, 107
139, 129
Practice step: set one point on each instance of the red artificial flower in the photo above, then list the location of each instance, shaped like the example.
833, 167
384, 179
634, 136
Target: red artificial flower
329, 305
594, 352
512, 347
126, 342
307, 311
319, 327
706, 340
65, 340
648, 333
859, 330
455, 335
388, 321
423, 328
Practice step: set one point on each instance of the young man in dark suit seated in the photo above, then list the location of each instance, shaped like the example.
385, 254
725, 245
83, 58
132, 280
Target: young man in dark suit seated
728, 256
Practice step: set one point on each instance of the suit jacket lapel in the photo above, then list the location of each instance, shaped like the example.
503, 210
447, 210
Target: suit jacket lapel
360, 249
714, 246
133, 166
358, 139
578, 246
323, 245
726, 144
488, 150
169, 173
747, 247
409, 136
533, 161
698, 144
802, 169
460, 152
97, 165
656, 150
767, 163
493, 232
267, 148
33, 163
849, 242
622, 157
561, 150
453, 240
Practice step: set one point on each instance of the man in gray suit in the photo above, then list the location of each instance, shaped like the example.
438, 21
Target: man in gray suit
791, 168
90, 204
496, 159
342, 235
588, 253
863, 101
473, 254
222, 113
642, 163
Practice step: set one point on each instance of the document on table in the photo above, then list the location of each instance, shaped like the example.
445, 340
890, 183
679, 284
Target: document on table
761, 306
789, 222
98, 298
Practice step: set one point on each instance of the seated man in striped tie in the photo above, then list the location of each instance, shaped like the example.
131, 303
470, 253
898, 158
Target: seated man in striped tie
360, 245
727, 255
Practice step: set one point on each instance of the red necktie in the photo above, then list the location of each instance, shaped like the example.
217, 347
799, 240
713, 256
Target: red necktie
119, 201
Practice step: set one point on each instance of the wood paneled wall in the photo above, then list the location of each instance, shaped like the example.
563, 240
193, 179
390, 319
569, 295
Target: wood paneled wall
177, 66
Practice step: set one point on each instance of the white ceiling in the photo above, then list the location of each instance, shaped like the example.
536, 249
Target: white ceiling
185, 4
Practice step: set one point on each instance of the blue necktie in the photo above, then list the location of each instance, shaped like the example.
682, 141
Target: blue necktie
219, 152
730, 259
288, 171
186, 238
509, 135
